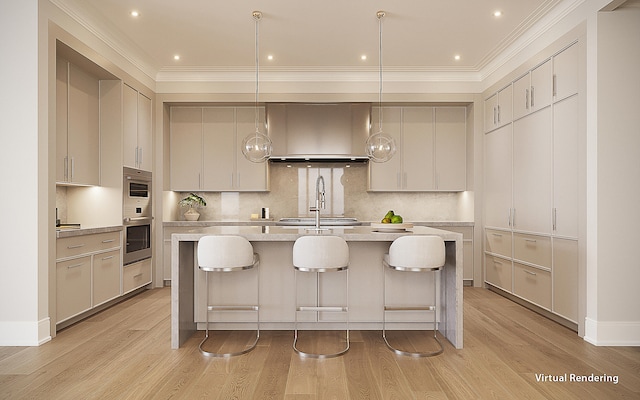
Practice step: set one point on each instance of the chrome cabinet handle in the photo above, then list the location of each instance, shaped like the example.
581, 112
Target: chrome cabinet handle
530, 240
532, 96
526, 99
497, 234
108, 241
75, 246
555, 87
555, 218
107, 258
494, 115
498, 113
529, 272
75, 266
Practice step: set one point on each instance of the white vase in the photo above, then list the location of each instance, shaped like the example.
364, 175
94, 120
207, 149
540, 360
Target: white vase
191, 214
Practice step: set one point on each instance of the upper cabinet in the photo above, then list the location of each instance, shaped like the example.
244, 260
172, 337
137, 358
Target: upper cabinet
205, 150
77, 125
533, 91
137, 138
497, 109
431, 150
565, 73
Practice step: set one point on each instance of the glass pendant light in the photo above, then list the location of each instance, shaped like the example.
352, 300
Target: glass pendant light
256, 147
380, 146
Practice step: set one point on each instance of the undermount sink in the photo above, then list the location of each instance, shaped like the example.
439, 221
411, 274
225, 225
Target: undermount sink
324, 221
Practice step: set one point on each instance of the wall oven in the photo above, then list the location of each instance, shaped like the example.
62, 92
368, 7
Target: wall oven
137, 215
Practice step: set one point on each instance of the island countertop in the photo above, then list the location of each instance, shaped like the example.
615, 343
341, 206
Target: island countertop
276, 278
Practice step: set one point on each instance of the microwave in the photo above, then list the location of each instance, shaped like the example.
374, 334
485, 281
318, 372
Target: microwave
136, 195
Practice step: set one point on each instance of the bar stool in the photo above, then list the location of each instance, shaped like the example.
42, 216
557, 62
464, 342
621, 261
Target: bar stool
414, 254
227, 254
320, 254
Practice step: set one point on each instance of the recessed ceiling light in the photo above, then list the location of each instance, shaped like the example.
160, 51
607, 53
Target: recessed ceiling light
363, 57
456, 57
135, 13
176, 57
269, 57
497, 13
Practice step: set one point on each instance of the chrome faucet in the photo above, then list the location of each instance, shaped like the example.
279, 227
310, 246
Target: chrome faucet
319, 200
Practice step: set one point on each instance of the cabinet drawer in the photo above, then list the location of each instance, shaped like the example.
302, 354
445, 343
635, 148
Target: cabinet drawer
532, 284
136, 275
498, 272
498, 242
76, 245
73, 287
106, 276
532, 249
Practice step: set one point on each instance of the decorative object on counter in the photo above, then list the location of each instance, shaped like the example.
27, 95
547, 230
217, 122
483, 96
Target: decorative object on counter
256, 147
192, 200
381, 146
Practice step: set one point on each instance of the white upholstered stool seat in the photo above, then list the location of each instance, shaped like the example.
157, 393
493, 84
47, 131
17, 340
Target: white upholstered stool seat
320, 254
227, 254
414, 253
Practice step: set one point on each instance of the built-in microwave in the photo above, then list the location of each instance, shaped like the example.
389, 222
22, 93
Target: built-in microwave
137, 216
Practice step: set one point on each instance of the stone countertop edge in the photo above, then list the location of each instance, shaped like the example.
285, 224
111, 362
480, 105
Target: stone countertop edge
194, 224
277, 234
65, 233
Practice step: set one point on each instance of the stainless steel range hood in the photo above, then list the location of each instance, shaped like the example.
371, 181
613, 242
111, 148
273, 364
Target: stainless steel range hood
318, 131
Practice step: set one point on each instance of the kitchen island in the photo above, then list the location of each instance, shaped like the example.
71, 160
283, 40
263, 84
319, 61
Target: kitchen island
274, 245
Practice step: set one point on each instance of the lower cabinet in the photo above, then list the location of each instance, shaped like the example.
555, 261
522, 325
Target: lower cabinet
73, 287
89, 273
541, 269
136, 275
106, 276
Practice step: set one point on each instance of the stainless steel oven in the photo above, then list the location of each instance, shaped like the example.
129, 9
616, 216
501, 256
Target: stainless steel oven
137, 215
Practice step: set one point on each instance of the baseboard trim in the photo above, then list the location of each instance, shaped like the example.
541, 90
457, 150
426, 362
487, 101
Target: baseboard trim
612, 333
25, 333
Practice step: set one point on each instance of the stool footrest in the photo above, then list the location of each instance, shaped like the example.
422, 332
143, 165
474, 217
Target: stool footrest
232, 308
325, 308
409, 308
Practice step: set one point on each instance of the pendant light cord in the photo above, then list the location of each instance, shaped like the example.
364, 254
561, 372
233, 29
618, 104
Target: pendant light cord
380, 15
257, 15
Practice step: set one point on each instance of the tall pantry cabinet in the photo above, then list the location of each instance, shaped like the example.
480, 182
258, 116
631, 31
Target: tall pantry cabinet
531, 184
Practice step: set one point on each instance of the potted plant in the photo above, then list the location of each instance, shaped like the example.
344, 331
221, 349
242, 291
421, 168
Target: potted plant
192, 200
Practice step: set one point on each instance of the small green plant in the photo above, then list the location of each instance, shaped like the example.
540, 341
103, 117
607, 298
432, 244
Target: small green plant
192, 200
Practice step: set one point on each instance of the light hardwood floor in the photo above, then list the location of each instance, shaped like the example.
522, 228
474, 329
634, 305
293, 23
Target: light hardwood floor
124, 353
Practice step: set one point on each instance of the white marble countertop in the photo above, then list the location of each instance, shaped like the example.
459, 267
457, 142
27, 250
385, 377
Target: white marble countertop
71, 232
282, 233
271, 222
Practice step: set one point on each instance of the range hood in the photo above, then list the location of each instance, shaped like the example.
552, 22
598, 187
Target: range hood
318, 131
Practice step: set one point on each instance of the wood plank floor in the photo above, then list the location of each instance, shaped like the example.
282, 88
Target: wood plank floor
124, 353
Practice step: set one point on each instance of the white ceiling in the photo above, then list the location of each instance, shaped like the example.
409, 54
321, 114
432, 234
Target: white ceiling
304, 35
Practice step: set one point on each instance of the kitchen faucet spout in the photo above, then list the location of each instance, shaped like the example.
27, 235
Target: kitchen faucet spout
320, 200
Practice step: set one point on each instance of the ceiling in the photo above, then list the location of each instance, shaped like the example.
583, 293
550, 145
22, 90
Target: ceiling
327, 35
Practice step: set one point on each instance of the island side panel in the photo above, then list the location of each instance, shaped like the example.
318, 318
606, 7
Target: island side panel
182, 264
452, 296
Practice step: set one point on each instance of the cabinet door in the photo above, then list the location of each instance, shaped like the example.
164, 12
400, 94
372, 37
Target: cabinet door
505, 105
130, 126
386, 176
541, 86
521, 96
491, 113
418, 149
451, 148
497, 180
186, 148
565, 167
145, 145
218, 142
83, 128
106, 277
249, 175
73, 287
532, 172
62, 80
565, 278
565, 73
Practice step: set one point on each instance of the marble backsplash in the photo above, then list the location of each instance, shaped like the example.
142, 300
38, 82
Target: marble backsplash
293, 192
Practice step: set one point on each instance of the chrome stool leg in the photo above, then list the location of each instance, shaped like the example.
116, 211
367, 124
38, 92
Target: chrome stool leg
255, 308
319, 308
417, 308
